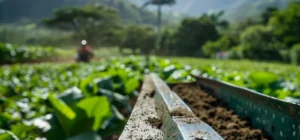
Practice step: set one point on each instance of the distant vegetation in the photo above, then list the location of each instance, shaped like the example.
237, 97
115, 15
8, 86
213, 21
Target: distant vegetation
131, 11
271, 36
34, 34
250, 8
235, 10
34, 10
20, 54
99, 24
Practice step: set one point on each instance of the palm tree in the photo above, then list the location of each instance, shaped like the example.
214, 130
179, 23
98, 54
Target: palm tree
159, 4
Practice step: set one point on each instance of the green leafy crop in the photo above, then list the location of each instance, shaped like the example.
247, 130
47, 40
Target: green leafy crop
71, 101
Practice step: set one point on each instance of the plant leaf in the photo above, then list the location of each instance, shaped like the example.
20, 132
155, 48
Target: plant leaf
86, 136
61, 107
97, 108
131, 85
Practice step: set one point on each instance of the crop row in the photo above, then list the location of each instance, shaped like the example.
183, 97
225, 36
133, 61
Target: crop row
71, 101
20, 54
56, 101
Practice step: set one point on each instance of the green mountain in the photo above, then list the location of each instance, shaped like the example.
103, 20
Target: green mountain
34, 10
130, 11
234, 9
249, 8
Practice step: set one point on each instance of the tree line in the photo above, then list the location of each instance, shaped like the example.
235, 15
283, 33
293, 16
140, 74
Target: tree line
272, 36
34, 10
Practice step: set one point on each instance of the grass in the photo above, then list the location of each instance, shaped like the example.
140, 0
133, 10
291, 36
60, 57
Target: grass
230, 65
240, 65
98, 52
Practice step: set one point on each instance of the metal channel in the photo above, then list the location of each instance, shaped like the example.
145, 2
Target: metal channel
280, 119
179, 122
138, 126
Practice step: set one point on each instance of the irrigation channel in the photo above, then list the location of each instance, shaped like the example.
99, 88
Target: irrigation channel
209, 110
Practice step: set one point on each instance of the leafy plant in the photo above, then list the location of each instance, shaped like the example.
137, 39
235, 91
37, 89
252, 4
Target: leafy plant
69, 101
20, 54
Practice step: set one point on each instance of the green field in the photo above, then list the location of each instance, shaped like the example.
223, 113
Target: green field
278, 80
54, 101
234, 64
46, 95
59, 101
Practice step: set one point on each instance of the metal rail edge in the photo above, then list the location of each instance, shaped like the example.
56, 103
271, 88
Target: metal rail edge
279, 118
178, 122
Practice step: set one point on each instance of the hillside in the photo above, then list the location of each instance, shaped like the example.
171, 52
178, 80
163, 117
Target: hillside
130, 11
235, 9
249, 8
194, 7
34, 10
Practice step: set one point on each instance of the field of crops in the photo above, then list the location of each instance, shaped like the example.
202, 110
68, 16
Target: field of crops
57, 101
278, 80
64, 101
20, 54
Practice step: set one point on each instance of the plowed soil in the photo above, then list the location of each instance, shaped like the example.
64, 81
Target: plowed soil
214, 112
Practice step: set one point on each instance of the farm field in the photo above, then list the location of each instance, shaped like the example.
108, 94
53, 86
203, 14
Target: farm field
57, 100
73, 100
278, 80
12, 54
73, 69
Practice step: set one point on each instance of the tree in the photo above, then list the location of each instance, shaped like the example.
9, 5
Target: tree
286, 24
240, 27
295, 54
93, 22
34, 10
259, 37
215, 18
225, 43
159, 4
139, 38
148, 42
260, 43
167, 43
267, 14
192, 34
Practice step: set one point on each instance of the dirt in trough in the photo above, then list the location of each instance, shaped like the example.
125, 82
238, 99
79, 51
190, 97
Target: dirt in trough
215, 113
155, 123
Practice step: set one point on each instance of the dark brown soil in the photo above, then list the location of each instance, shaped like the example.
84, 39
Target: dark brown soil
215, 113
155, 123
150, 94
113, 137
